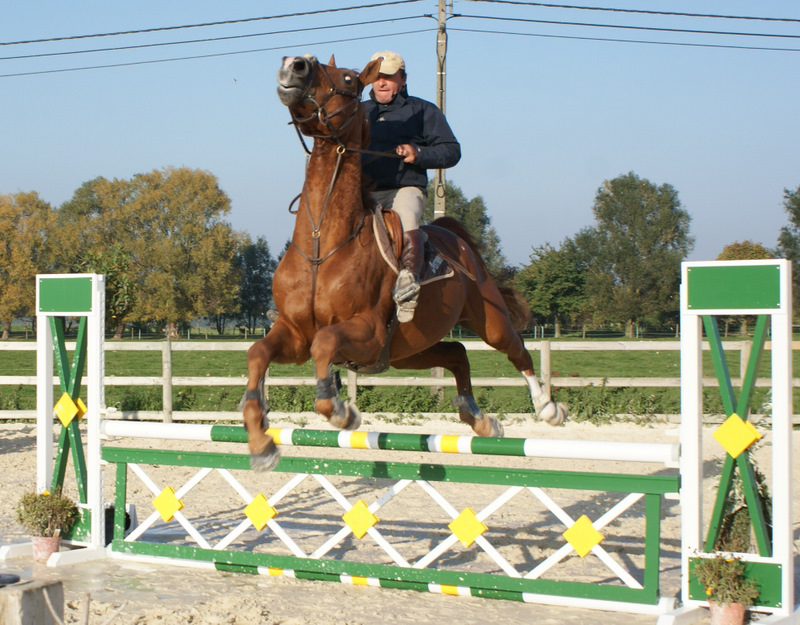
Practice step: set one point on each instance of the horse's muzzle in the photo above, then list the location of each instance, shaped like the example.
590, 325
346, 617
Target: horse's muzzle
294, 79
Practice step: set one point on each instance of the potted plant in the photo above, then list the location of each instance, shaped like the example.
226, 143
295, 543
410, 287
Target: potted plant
46, 516
729, 592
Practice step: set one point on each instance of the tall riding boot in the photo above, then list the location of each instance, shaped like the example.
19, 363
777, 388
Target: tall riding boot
406, 289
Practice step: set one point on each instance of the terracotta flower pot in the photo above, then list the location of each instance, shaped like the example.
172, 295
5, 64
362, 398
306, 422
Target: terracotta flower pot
45, 546
726, 613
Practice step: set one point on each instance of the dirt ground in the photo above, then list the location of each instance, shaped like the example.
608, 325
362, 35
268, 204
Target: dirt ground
159, 593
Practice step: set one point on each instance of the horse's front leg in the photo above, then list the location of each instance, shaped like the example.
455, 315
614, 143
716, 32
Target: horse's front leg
357, 340
280, 345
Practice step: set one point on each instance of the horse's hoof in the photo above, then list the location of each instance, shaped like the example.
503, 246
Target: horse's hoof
267, 459
553, 413
346, 417
495, 427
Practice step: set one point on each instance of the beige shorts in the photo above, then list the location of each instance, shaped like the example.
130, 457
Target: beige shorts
408, 202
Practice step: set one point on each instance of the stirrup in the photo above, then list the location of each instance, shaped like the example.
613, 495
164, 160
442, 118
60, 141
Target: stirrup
406, 289
406, 292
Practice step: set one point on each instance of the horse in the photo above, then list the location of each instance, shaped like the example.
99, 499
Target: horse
333, 287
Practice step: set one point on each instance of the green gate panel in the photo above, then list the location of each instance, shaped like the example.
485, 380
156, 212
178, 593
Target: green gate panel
67, 295
725, 287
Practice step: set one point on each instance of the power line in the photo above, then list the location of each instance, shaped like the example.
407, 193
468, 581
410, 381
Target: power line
640, 11
206, 40
203, 25
628, 27
218, 54
610, 40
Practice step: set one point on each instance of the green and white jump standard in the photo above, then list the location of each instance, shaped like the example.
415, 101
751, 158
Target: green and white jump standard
710, 289
58, 297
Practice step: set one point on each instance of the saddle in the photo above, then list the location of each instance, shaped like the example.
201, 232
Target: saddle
436, 266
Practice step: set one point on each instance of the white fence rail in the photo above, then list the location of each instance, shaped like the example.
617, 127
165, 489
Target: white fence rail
545, 348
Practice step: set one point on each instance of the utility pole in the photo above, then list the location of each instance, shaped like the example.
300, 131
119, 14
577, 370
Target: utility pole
441, 75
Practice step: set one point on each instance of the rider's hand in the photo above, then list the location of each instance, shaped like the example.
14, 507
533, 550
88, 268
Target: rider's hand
408, 152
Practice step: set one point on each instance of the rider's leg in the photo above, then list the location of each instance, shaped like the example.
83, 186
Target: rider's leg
409, 204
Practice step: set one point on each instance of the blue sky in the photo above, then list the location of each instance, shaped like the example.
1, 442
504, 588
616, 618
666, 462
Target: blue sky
544, 117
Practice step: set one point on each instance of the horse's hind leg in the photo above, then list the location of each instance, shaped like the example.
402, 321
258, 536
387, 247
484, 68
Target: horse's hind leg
453, 357
490, 321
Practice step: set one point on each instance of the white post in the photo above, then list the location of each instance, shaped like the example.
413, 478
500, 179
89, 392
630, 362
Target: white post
44, 403
782, 467
691, 437
94, 405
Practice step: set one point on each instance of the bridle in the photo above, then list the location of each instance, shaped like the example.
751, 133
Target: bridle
321, 113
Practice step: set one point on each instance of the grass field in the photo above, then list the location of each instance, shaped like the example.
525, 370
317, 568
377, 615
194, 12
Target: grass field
586, 403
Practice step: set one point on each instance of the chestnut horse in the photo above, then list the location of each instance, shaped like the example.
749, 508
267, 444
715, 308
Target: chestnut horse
333, 288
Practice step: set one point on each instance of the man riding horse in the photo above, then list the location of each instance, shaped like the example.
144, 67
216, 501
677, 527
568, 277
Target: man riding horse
416, 130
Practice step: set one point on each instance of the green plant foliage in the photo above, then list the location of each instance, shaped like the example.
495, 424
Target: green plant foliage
46, 514
134, 398
724, 580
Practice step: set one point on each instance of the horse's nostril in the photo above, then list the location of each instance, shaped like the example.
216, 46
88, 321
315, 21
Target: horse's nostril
299, 65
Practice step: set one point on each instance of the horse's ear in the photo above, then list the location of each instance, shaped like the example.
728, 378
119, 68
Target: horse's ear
332, 62
370, 73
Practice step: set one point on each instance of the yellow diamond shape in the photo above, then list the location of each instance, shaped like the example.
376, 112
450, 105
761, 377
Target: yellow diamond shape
359, 519
582, 536
467, 527
81, 407
736, 435
66, 409
167, 503
259, 511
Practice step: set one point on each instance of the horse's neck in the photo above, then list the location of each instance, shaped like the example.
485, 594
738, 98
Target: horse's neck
332, 191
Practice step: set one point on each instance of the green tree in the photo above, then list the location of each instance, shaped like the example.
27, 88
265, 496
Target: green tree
473, 214
553, 284
25, 225
789, 240
744, 250
256, 266
116, 265
634, 251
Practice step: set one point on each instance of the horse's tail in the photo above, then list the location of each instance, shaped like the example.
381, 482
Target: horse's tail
518, 311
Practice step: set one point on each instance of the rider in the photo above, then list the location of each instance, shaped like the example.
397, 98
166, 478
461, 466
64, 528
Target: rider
417, 131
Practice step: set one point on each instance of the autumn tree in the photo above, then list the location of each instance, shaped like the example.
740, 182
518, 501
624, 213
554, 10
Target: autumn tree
25, 223
634, 251
182, 248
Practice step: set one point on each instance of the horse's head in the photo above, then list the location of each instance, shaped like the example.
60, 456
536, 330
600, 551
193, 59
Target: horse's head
322, 99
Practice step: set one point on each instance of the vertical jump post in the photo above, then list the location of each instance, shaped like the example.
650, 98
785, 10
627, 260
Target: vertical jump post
58, 297
710, 289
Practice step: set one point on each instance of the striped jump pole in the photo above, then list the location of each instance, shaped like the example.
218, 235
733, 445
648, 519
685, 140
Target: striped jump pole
658, 453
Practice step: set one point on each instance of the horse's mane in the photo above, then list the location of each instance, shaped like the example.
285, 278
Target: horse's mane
518, 310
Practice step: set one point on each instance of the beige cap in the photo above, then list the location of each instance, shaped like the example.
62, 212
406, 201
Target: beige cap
392, 62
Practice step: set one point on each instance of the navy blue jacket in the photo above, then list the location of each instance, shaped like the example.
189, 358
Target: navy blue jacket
407, 119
